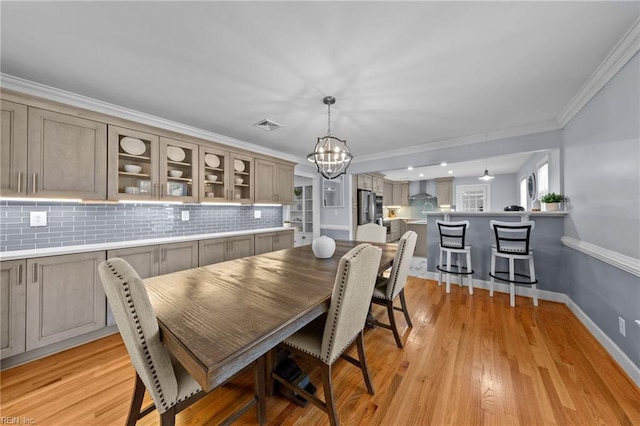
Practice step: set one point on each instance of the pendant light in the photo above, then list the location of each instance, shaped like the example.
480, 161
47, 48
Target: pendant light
486, 176
330, 155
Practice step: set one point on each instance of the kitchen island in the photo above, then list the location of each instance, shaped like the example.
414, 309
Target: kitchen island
545, 240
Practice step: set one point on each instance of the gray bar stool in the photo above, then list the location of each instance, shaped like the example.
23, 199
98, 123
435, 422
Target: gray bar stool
452, 242
513, 243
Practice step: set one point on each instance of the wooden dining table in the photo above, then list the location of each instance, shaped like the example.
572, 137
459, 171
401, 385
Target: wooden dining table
217, 319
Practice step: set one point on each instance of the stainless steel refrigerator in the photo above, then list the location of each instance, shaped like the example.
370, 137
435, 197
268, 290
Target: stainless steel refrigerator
366, 207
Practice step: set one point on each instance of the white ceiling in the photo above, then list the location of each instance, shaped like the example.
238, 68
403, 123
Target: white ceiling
404, 74
504, 164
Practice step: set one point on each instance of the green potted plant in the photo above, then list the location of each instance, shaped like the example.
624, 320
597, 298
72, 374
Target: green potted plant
286, 223
552, 201
297, 191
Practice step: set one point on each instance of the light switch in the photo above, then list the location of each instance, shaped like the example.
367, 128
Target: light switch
185, 215
38, 219
257, 214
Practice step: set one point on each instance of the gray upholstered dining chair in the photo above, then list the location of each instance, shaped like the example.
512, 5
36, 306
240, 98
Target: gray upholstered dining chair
171, 387
371, 232
387, 289
326, 338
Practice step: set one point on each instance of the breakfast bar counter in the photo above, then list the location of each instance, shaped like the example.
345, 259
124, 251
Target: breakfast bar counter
545, 240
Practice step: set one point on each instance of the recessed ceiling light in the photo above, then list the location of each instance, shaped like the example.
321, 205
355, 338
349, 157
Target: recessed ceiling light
443, 164
409, 168
450, 172
421, 174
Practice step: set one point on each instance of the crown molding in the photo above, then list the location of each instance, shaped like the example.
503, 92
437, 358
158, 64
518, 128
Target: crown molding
69, 98
512, 132
626, 48
626, 263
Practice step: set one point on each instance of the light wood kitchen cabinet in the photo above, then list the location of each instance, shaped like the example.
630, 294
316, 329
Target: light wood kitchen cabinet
12, 307
13, 149
272, 241
149, 261
243, 178
365, 182
218, 250
404, 190
444, 191
67, 156
168, 168
378, 185
64, 298
273, 182
387, 196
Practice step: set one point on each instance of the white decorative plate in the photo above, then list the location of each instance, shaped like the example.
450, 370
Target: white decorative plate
175, 153
238, 165
212, 160
133, 146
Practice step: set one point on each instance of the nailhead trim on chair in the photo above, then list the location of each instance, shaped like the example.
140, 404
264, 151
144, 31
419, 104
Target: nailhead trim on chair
340, 296
141, 337
395, 278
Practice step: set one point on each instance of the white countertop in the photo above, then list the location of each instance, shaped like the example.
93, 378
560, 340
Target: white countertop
499, 213
55, 251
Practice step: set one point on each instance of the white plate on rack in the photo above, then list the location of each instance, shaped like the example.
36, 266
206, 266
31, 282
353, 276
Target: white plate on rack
212, 160
238, 165
175, 153
133, 146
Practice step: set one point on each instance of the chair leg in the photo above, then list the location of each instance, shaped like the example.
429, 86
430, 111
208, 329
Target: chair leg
392, 322
403, 302
459, 263
136, 402
532, 273
493, 272
512, 286
439, 271
168, 418
328, 394
448, 274
469, 269
363, 364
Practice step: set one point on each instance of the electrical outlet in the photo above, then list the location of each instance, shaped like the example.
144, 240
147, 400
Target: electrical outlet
257, 214
185, 215
621, 326
38, 219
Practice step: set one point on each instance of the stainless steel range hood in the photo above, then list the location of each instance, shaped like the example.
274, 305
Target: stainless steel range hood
422, 193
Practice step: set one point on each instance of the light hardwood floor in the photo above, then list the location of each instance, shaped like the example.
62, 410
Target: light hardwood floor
468, 360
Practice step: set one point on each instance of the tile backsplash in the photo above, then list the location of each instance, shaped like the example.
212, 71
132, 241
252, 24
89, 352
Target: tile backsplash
78, 224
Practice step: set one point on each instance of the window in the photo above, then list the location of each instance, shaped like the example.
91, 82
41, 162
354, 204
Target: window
523, 192
472, 198
543, 177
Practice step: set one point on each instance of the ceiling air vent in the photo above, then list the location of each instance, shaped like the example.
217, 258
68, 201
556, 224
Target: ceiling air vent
267, 125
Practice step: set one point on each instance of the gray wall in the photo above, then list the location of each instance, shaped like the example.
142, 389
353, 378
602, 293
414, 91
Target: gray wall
531, 166
78, 224
503, 190
601, 153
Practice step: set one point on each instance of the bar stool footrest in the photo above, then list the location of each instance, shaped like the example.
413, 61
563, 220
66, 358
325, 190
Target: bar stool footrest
515, 281
455, 271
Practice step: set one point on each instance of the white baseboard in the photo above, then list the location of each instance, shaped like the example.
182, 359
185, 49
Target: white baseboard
609, 345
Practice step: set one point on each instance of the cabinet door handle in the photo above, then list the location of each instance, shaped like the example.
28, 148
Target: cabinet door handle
226, 193
231, 241
35, 273
20, 274
164, 255
227, 246
161, 191
156, 255
19, 182
34, 187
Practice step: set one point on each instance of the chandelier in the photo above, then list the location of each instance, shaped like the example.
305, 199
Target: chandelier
330, 155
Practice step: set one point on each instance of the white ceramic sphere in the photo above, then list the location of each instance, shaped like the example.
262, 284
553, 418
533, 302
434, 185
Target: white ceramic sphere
323, 247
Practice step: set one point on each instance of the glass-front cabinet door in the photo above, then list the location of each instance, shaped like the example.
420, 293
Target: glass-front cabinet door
178, 170
133, 165
214, 175
242, 178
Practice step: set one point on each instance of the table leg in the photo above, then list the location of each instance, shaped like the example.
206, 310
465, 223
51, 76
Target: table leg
261, 389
